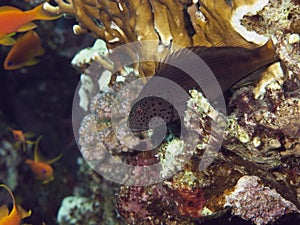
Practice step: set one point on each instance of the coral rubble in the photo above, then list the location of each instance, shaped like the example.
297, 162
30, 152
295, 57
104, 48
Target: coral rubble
259, 158
266, 207
92, 201
10, 164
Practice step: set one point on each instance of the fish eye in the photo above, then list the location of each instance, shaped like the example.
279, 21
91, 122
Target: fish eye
139, 110
9, 63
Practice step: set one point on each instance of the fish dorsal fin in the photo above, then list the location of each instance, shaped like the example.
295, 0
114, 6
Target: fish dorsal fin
38, 157
9, 8
27, 26
23, 212
248, 45
3, 211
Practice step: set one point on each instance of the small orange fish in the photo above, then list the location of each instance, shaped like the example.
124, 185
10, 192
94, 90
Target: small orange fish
25, 50
40, 166
18, 135
21, 138
17, 213
14, 20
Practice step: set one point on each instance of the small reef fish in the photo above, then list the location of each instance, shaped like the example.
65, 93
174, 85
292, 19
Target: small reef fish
230, 65
18, 135
14, 20
25, 50
17, 213
40, 166
21, 137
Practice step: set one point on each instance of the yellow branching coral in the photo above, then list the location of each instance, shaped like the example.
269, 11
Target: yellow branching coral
218, 21
184, 22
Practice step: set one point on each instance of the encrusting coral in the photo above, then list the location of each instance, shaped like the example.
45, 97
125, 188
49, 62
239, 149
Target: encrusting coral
261, 141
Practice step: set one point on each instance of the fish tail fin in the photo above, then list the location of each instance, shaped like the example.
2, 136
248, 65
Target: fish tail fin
10, 193
267, 56
39, 13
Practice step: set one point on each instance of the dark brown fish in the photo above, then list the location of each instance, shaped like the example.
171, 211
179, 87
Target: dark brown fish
228, 64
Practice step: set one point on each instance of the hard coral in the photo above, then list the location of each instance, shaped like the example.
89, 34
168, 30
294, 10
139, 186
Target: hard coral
280, 19
181, 22
265, 207
189, 198
262, 137
10, 160
92, 200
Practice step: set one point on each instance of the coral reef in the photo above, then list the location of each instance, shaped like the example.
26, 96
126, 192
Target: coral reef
74, 209
259, 159
90, 203
185, 23
10, 164
266, 207
279, 20
189, 193
268, 127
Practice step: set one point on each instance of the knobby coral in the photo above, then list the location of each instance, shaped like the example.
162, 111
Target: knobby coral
262, 134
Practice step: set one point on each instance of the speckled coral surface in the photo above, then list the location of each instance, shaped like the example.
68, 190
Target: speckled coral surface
262, 133
251, 200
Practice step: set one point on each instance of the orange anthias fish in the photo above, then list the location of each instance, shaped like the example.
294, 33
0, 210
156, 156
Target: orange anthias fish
17, 213
40, 166
14, 20
21, 137
18, 135
25, 50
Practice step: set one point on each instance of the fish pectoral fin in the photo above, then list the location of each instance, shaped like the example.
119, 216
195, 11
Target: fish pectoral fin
27, 27
46, 181
7, 41
3, 211
23, 212
32, 62
252, 78
29, 135
30, 142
